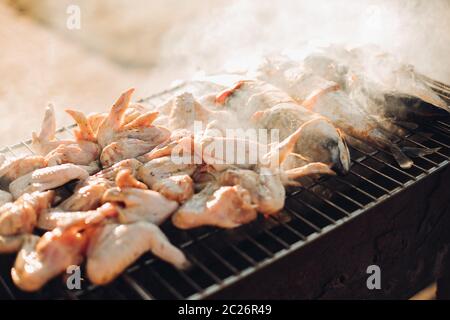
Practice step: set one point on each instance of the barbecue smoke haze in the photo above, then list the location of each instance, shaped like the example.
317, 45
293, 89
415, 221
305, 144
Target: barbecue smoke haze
148, 44
177, 38
235, 36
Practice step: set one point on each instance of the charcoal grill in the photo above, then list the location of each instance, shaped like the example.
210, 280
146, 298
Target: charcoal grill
318, 247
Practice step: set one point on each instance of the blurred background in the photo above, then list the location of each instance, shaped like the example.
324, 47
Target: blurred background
148, 44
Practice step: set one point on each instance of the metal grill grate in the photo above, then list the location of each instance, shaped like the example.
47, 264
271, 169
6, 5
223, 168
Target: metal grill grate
222, 257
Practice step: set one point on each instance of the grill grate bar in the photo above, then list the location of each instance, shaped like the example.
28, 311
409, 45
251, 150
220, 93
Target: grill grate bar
441, 89
12, 151
68, 129
406, 137
298, 234
236, 249
399, 184
204, 268
351, 185
386, 191
219, 257
442, 92
428, 137
277, 239
257, 244
358, 204
167, 285
440, 143
319, 212
181, 273
243, 255
189, 280
444, 124
378, 150
345, 212
201, 237
423, 146
136, 287
372, 179
432, 81
440, 130
6, 288
28, 147
296, 215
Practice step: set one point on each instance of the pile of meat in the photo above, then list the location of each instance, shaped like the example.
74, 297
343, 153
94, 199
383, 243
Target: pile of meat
101, 196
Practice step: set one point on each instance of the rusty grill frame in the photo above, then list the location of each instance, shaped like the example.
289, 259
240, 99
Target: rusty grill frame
221, 258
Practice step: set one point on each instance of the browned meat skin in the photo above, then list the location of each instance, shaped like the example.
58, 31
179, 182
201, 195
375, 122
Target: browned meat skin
323, 143
125, 179
111, 173
55, 218
179, 188
88, 194
136, 203
369, 75
21, 216
52, 219
261, 189
10, 170
315, 78
124, 133
325, 97
83, 151
41, 259
84, 131
170, 179
267, 186
222, 97
185, 110
252, 96
114, 247
320, 141
95, 120
47, 178
117, 125
225, 207
120, 139
181, 137
127, 148
266, 189
11, 244
331, 102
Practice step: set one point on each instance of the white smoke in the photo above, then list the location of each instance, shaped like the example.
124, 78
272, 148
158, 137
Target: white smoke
180, 37
234, 36
169, 40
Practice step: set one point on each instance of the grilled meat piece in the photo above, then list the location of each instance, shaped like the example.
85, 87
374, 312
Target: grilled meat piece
21, 216
47, 179
225, 207
114, 247
168, 178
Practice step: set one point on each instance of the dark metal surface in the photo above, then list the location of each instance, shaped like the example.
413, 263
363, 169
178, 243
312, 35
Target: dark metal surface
221, 258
